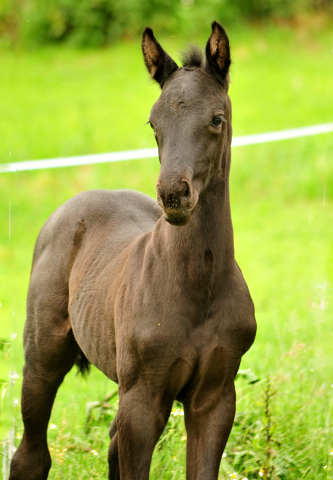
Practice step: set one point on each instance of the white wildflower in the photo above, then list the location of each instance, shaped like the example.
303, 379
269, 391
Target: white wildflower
13, 377
177, 412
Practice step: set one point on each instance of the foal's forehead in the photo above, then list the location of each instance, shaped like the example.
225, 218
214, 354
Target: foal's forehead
192, 88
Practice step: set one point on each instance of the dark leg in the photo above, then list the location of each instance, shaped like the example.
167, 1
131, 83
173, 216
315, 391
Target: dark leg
140, 421
50, 353
114, 473
208, 427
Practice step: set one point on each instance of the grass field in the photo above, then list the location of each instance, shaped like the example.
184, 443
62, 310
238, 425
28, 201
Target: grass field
58, 102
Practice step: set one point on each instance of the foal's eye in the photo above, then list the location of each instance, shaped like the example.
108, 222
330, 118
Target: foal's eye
149, 123
217, 121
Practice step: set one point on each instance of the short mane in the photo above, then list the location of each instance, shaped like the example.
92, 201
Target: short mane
192, 58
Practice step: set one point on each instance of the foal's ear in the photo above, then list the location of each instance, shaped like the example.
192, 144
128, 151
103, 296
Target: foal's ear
159, 64
218, 53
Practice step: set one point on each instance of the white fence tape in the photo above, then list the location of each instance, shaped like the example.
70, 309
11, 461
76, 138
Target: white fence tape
152, 152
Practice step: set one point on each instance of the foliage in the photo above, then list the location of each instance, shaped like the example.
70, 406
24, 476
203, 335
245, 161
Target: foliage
101, 412
100, 22
10, 11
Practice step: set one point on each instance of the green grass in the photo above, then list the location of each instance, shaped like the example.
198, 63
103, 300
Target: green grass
58, 102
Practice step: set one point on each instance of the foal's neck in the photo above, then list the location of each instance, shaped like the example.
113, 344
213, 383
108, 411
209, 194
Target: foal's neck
209, 229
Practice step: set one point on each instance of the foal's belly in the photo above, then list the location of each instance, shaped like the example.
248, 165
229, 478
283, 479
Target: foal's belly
97, 270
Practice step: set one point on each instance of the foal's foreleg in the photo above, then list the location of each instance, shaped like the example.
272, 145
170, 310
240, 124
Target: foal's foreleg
141, 419
208, 427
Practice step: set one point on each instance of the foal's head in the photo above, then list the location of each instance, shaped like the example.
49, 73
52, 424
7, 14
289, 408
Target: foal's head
191, 121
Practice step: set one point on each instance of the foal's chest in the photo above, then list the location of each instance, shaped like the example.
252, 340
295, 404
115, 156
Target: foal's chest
173, 344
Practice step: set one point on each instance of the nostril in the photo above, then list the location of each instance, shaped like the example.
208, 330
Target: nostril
185, 189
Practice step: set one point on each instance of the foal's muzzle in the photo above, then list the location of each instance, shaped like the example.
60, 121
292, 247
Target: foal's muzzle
176, 200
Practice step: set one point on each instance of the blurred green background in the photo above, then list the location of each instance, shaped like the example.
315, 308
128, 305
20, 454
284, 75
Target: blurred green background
72, 82
101, 22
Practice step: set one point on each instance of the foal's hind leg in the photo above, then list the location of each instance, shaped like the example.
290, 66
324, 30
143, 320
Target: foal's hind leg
50, 352
114, 473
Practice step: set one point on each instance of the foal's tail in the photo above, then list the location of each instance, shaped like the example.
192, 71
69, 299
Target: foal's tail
82, 364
